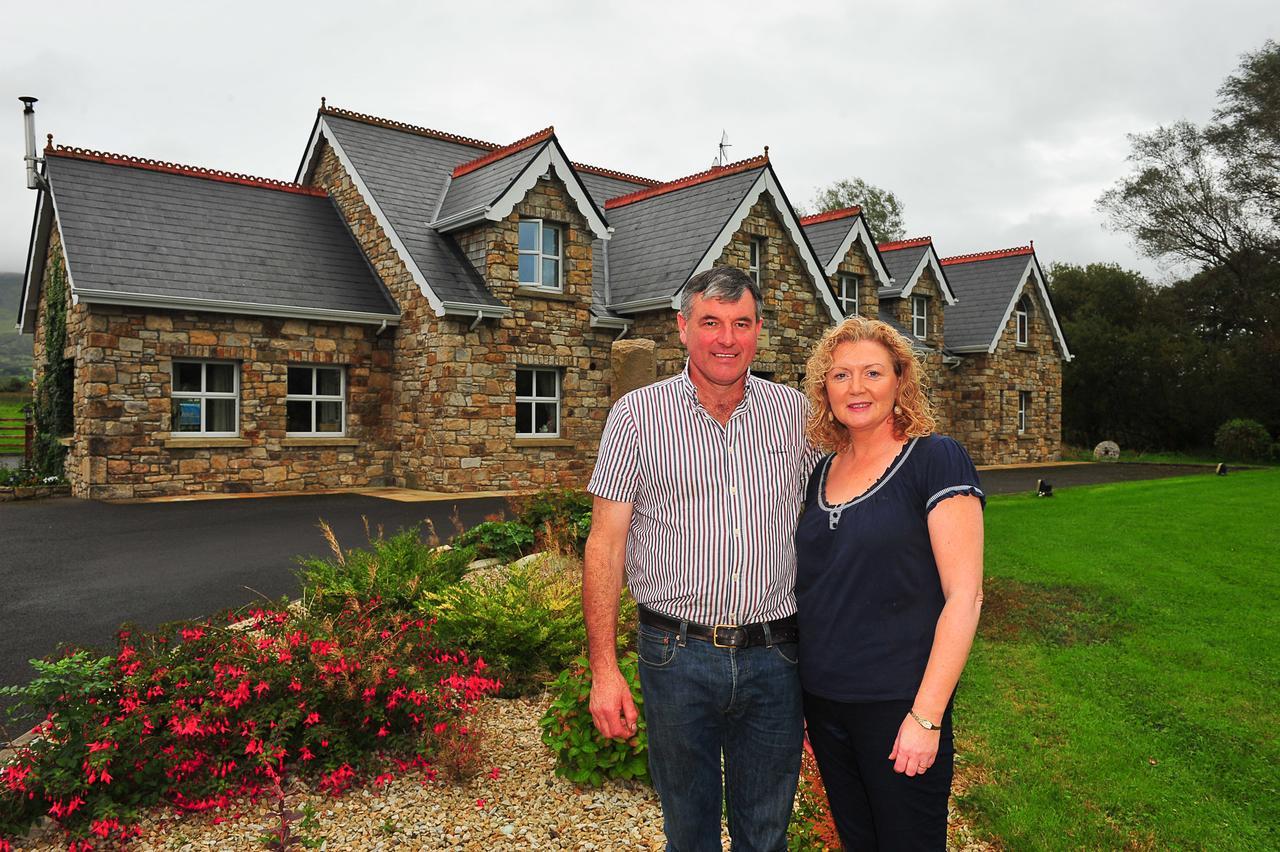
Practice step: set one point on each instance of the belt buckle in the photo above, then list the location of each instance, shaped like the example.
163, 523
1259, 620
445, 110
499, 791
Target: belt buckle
715, 635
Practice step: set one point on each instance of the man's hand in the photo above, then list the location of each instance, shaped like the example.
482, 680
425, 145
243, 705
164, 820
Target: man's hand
612, 707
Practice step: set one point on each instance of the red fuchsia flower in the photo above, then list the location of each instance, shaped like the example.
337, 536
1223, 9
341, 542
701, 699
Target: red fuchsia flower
284, 655
295, 685
261, 688
306, 754
383, 779
494, 773
191, 634
254, 747
185, 727
313, 718
480, 803
382, 732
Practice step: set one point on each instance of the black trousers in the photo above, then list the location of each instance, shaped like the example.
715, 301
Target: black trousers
873, 806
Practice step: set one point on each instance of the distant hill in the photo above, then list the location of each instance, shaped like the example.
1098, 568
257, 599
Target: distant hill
15, 348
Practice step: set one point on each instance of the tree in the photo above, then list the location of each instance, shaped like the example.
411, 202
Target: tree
881, 207
1209, 196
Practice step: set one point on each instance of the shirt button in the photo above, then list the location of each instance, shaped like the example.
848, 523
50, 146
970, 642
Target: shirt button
735, 576
733, 489
731, 448
736, 532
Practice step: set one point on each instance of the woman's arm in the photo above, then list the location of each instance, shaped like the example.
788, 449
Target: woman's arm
955, 533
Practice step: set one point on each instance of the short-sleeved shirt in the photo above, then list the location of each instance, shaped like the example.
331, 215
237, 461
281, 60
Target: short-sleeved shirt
714, 507
868, 589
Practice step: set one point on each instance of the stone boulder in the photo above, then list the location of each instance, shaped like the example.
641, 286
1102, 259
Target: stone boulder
1107, 451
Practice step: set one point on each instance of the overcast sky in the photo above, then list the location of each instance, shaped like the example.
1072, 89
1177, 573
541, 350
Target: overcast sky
995, 123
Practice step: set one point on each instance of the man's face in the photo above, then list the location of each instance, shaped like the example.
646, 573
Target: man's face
721, 338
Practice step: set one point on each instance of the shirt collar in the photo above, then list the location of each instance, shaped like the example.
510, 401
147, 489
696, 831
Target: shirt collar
691, 390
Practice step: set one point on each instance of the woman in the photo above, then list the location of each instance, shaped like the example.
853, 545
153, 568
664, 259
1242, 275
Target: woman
889, 588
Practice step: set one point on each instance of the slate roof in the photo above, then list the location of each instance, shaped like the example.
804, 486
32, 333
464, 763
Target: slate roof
827, 237
603, 187
167, 232
985, 286
405, 173
486, 184
901, 263
658, 241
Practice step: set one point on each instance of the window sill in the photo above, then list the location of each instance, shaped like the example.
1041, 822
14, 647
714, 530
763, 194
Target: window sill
197, 441
543, 442
551, 295
319, 441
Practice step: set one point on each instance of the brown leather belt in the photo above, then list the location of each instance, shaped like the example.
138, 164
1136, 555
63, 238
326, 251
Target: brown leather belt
726, 635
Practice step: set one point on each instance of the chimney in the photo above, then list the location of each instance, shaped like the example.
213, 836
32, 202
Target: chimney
34, 180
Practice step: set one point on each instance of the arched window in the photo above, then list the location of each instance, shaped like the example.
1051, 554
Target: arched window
1023, 318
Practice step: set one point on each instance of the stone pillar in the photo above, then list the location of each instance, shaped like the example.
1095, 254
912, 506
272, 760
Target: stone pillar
634, 364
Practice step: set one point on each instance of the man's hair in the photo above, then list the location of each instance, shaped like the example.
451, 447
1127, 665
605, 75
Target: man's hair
722, 283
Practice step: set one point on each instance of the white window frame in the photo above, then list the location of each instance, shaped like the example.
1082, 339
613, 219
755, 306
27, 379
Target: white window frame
558, 286
534, 398
755, 258
849, 284
202, 395
920, 317
1022, 321
314, 398
1024, 399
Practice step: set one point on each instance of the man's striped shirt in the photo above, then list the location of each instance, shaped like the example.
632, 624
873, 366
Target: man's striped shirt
714, 508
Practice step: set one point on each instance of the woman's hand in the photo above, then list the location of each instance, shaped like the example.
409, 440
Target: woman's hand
914, 749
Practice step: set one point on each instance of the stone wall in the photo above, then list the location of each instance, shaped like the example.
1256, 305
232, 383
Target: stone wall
454, 386
984, 395
794, 316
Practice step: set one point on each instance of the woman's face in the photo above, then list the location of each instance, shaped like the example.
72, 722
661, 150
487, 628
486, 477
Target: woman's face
861, 385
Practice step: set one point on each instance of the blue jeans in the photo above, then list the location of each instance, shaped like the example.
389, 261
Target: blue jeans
702, 704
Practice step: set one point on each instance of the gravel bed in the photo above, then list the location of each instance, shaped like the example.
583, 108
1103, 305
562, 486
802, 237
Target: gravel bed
526, 806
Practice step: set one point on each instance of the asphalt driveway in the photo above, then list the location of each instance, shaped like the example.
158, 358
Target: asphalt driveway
71, 571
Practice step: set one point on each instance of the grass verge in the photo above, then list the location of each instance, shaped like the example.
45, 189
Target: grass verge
1122, 690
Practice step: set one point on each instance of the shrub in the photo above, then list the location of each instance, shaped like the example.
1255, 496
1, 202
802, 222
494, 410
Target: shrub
504, 540
196, 713
582, 754
1242, 440
525, 620
561, 518
398, 571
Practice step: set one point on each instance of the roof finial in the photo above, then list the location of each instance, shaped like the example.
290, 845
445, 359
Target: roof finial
1033, 244
766, 153
322, 103
49, 146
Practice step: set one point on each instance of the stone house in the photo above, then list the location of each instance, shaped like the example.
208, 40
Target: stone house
425, 309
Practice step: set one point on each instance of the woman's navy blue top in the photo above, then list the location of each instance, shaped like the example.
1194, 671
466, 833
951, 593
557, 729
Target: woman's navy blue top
867, 587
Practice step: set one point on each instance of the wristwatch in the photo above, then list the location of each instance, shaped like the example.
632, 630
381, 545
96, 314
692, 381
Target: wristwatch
925, 723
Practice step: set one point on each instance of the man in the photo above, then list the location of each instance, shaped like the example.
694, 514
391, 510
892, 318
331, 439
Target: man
698, 486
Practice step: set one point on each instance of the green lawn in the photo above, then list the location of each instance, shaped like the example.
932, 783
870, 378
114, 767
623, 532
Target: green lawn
1123, 692
1203, 456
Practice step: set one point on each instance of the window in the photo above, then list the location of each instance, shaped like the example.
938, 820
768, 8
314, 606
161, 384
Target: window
1021, 317
315, 401
919, 316
1024, 402
539, 254
755, 259
537, 403
206, 398
849, 294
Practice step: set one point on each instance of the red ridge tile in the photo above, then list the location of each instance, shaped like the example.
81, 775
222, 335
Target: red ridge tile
408, 128
505, 151
599, 170
179, 169
910, 242
830, 215
987, 255
710, 174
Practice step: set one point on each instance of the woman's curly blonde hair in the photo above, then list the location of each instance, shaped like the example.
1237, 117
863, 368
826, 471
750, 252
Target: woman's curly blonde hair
913, 413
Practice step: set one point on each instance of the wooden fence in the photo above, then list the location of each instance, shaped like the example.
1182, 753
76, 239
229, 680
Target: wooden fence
16, 435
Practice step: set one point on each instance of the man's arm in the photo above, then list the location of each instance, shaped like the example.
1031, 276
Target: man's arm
612, 708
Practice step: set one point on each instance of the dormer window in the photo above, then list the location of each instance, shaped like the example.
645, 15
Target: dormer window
849, 294
919, 316
755, 259
540, 255
1022, 319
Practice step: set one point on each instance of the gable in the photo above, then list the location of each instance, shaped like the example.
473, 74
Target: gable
988, 287
834, 234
